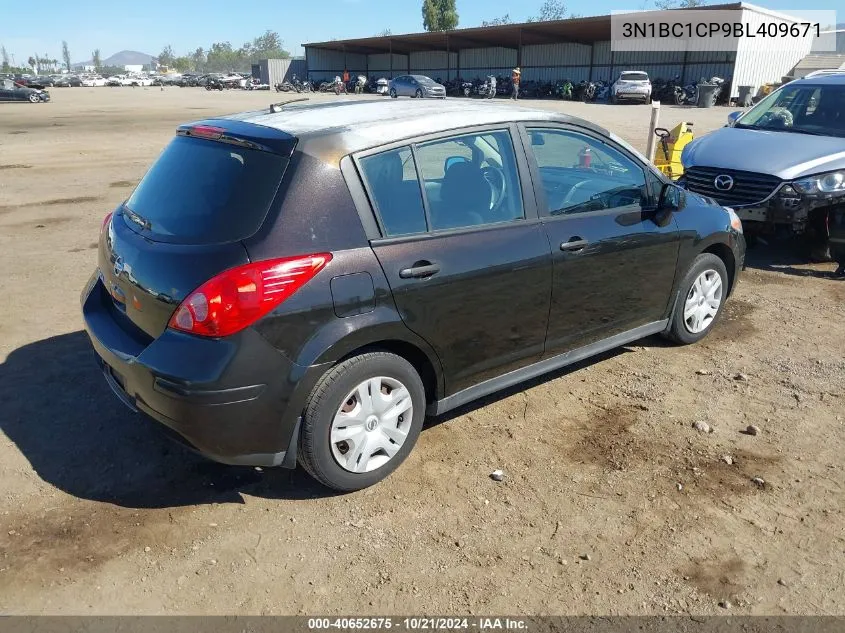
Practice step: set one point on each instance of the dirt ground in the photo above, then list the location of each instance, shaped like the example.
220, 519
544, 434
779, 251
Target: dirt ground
612, 503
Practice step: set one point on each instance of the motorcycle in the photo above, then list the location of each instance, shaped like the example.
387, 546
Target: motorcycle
488, 88
214, 84
382, 86
564, 90
360, 85
339, 86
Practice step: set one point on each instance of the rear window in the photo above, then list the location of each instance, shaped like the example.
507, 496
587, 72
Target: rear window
205, 192
634, 77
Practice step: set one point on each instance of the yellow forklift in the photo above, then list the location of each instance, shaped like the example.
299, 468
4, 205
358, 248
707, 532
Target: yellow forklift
668, 156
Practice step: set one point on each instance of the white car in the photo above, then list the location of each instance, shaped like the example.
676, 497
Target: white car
633, 85
93, 82
135, 80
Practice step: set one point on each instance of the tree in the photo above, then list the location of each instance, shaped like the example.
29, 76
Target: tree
31, 62
384, 33
166, 56
198, 59
551, 10
678, 4
95, 59
182, 64
505, 19
439, 15
66, 54
5, 58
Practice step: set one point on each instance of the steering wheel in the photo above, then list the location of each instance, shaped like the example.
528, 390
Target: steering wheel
568, 197
495, 177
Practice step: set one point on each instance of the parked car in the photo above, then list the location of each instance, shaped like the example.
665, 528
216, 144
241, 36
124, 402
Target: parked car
260, 336
632, 85
781, 164
93, 81
11, 91
416, 86
45, 81
68, 81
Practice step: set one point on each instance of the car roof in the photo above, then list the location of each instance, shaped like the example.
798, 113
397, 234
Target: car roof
832, 79
353, 125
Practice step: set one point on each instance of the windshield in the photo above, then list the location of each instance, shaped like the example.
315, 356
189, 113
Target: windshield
800, 108
204, 192
424, 80
634, 77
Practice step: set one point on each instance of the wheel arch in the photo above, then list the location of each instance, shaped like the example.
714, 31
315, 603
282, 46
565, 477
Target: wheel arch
724, 252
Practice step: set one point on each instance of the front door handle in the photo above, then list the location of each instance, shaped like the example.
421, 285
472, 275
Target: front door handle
574, 244
420, 270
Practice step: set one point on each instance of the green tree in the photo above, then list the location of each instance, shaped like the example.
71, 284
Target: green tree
4, 56
31, 62
166, 56
66, 54
182, 64
505, 19
198, 59
384, 33
550, 10
221, 57
439, 15
95, 59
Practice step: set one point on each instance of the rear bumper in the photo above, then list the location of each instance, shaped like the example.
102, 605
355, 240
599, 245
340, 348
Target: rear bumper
236, 400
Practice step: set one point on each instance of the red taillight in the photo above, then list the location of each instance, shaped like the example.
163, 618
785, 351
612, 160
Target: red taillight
206, 131
106, 221
238, 297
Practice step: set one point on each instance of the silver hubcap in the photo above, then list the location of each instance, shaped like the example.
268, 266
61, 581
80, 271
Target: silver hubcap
371, 425
703, 301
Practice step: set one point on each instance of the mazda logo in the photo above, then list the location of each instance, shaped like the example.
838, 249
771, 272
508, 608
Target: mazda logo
118, 266
723, 182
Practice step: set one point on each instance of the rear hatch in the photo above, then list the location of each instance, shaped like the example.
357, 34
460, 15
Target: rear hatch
212, 187
633, 82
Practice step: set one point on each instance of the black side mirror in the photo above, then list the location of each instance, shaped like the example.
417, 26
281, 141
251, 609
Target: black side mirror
671, 198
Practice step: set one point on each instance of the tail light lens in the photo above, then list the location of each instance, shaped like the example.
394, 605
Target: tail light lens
237, 298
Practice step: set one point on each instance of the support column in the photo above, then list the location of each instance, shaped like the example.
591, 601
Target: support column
592, 60
391, 58
448, 60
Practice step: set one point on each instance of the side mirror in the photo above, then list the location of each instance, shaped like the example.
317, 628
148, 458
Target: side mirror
671, 198
453, 160
733, 116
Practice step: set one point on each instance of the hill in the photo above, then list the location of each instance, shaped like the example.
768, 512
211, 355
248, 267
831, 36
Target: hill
123, 58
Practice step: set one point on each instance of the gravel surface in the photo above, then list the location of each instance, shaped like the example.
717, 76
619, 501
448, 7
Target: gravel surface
611, 503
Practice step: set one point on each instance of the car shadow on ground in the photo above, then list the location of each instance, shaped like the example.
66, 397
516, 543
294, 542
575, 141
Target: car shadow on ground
61, 415
59, 412
788, 257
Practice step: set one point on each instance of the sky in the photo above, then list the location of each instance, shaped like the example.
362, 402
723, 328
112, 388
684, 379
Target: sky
147, 26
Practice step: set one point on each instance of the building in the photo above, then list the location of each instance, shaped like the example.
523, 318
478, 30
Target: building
275, 71
812, 63
575, 49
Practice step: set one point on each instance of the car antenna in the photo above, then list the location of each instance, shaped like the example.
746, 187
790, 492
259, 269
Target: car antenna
277, 107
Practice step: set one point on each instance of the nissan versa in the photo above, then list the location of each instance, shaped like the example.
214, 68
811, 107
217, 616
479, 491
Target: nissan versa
306, 283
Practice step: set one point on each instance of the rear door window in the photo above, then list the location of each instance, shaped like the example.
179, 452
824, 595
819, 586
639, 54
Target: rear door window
206, 192
395, 191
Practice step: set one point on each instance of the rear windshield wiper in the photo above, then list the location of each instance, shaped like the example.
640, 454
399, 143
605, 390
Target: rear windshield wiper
137, 219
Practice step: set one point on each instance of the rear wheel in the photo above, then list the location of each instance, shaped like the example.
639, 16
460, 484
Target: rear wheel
362, 420
703, 294
393, 94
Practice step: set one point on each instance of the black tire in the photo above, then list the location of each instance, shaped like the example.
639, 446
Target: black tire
613, 100
419, 94
393, 94
315, 450
678, 331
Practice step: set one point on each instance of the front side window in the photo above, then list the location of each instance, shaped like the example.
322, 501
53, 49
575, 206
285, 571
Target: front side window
580, 174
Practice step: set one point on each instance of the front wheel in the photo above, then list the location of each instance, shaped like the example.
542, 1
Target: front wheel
34, 98
703, 294
393, 94
362, 420
418, 94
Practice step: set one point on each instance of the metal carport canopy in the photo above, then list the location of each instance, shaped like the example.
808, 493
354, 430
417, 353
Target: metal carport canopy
577, 30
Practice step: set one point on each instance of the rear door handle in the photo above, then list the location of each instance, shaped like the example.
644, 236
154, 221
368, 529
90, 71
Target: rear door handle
420, 270
574, 244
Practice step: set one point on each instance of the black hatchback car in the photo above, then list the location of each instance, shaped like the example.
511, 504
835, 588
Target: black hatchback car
304, 284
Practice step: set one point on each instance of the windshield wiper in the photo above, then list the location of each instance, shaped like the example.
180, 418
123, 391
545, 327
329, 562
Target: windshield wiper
137, 219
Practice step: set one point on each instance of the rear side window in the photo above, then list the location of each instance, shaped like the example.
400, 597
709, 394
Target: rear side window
206, 192
392, 177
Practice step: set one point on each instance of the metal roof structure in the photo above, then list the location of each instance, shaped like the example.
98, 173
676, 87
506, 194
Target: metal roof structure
585, 30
